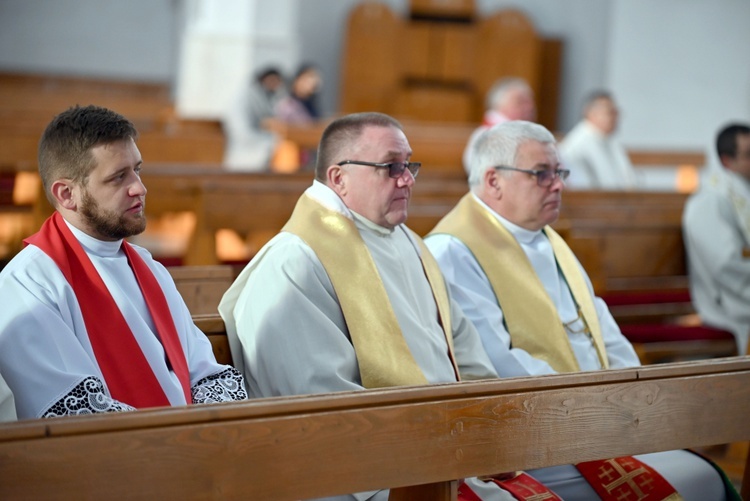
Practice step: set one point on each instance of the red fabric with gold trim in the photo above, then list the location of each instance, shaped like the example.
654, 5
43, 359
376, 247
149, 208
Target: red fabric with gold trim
626, 479
521, 486
126, 371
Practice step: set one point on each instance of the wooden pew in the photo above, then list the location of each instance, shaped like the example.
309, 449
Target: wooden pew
29, 102
630, 243
18, 145
264, 202
419, 438
625, 240
202, 287
212, 325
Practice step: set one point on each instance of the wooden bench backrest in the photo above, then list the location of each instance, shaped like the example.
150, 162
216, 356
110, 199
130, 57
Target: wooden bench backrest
624, 240
202, 287
312, 446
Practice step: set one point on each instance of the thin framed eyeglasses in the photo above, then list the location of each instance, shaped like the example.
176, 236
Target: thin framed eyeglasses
395, 169
544, 177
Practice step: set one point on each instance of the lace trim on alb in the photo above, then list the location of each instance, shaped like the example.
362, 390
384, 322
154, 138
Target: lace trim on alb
224, 386
87, 397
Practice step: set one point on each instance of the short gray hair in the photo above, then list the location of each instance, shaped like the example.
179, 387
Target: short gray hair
501, 88
499, 145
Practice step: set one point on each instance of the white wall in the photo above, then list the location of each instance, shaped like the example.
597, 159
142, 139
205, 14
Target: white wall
223, 43
131, 40
679, 69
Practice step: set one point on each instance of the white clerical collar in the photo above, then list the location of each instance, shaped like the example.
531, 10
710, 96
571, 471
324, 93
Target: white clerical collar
93, 245
523, 235
327, 198
330, 200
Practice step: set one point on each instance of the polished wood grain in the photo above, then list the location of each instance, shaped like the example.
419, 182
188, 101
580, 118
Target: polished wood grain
302, 447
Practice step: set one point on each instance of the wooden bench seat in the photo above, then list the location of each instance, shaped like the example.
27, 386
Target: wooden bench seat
424, 438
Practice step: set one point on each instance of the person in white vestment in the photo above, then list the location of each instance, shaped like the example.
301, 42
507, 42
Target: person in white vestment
249, 146
716, 227
91, 323
526, 293
510, 98
7, 405
343, 299
592, 153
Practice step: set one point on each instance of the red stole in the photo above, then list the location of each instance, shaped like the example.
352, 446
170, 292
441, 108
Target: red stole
626, 479
126, 371
619, 479
522, 486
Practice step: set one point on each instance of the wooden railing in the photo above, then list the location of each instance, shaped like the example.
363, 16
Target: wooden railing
425, 438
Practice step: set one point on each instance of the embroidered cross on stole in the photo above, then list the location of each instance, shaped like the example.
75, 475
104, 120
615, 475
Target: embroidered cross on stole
382, 353
535, 326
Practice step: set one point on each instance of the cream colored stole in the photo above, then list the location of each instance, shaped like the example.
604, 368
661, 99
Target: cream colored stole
530, 315
382, 352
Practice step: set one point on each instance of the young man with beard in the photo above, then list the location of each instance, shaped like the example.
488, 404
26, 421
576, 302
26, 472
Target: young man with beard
91, 323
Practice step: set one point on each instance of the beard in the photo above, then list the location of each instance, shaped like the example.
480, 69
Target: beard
110, 224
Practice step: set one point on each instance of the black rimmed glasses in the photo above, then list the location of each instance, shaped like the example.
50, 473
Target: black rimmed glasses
544, 177
395, 169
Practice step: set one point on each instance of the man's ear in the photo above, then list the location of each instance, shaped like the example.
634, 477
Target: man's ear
492, 184
62, 191
725, 160
336, 179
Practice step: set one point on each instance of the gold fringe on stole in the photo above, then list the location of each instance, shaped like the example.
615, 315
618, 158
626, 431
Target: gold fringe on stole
530, 316
382, 353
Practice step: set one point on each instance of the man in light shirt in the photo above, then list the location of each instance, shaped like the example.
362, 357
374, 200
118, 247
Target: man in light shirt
91, 323
510, 98
596, 159
346, 297
531, 300
716, 225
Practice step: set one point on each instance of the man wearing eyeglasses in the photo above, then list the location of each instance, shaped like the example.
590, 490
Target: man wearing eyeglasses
531, 300
346, 297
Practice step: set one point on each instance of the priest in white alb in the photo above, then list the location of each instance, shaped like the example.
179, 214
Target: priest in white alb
535, 309
716, 227
346, 297
89, 322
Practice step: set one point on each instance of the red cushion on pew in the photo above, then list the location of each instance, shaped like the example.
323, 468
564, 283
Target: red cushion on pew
656, 333
646, 297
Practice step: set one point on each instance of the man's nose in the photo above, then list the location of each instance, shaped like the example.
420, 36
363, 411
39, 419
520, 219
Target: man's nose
138, 189
405, 179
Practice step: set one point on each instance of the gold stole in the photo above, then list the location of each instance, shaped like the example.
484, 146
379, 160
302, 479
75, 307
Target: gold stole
382, 352
531, 318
